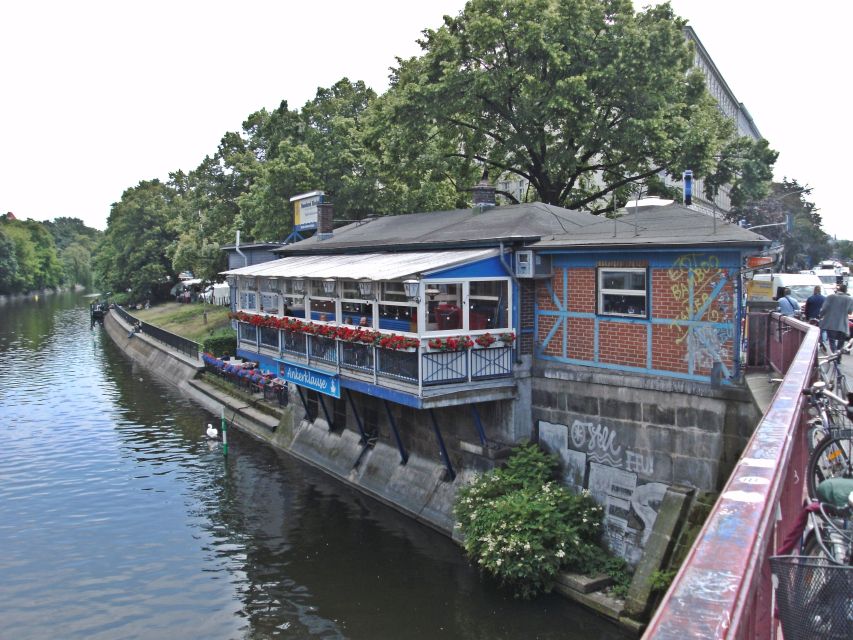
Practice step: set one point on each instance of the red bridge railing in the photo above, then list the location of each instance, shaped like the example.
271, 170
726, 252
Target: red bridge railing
723, 589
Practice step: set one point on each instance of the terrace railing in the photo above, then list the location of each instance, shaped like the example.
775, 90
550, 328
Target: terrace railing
416, 366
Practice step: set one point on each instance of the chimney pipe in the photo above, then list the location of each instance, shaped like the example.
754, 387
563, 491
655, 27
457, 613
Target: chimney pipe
325, 221
483, 194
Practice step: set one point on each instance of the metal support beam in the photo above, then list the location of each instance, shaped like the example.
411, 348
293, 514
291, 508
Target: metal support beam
404, 457
358, 421
478, 425
329, 420
441, 447
308, 415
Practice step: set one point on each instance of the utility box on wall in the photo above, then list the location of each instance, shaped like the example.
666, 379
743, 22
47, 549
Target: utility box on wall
532, 265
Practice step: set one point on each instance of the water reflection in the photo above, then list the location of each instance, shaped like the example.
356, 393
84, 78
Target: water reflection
119, 520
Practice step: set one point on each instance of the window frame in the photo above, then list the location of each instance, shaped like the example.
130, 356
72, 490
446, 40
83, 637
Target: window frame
601, 291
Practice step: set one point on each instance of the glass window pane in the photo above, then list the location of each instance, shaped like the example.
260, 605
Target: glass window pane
488, 305
393, 292
626, 305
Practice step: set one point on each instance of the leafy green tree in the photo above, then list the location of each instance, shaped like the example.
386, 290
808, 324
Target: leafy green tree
75, 243
578, 97
8, 264
844, 250
806, 243
133, 254
38, 266
77, 264
67, 231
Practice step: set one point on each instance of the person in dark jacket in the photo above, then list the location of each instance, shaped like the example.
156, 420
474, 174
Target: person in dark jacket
834, 317
813, 304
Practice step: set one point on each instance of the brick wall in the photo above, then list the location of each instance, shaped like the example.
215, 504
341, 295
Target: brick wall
694, 290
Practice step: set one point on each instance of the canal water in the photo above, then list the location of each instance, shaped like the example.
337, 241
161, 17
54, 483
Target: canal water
119, 520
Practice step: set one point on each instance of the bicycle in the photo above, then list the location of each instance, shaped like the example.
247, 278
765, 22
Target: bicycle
831, 458
823, 418
829, 370
814, 591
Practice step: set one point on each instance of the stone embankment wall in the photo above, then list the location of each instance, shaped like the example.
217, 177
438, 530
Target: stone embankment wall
420, 488
629, 439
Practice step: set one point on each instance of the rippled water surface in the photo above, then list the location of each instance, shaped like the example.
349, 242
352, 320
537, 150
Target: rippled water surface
119, 520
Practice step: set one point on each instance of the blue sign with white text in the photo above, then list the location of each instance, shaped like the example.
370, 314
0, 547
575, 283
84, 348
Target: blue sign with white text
318, 381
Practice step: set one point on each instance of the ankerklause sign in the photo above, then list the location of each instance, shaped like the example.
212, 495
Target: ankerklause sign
319, 381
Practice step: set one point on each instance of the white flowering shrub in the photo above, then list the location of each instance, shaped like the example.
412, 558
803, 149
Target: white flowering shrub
521, 527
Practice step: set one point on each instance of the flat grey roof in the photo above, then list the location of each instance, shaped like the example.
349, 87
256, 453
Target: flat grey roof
448, 229
667, 225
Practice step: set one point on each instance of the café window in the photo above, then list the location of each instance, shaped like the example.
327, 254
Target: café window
444, 306
248, 300
488, 304
623, 292
394, 292
269, 303
322, 301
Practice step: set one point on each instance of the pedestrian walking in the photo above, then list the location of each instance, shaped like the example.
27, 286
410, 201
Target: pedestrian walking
814, 304
834, 317
788, 305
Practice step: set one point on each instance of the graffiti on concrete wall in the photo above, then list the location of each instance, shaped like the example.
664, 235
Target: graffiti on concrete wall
592, 458
697, 284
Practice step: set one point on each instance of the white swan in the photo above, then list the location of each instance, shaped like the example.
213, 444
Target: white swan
212, 433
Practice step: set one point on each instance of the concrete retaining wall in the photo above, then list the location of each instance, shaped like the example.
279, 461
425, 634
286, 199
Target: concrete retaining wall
420, 488
629, 439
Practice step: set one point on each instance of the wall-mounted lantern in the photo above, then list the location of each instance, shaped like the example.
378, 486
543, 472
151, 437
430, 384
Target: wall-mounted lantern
299, 286
365, 288
329, 287
272, 283
411, 287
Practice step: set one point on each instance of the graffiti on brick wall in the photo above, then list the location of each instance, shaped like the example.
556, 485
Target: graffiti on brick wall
592, 458
698, 286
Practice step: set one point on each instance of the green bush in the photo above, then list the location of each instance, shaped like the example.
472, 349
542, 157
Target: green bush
522, 527
220, 343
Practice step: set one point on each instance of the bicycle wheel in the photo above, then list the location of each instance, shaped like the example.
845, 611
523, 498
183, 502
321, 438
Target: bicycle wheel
832, 458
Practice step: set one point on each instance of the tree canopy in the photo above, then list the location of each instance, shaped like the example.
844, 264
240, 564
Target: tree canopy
578, 97
805, 244
132, 256
28, 257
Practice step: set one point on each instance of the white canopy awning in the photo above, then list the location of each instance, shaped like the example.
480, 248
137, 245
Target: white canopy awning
363, 266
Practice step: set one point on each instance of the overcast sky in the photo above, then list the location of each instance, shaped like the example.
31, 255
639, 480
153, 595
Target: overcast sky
97, 96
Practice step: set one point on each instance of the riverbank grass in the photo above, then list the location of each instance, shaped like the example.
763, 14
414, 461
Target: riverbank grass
187, 320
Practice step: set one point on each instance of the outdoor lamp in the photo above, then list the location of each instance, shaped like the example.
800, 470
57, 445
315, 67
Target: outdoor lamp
329, 286
299, 286
411, 287
365, 288
273, 284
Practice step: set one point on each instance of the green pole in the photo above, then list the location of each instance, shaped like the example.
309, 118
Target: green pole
224, 434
